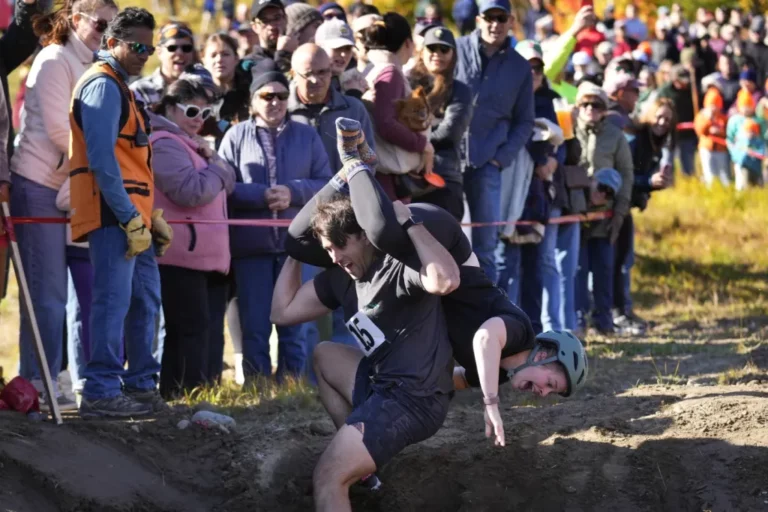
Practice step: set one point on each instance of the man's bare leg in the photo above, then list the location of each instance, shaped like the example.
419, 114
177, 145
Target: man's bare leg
344, 462
335, 367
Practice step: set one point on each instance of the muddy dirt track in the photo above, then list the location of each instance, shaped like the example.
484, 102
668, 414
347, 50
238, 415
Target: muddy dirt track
692, 446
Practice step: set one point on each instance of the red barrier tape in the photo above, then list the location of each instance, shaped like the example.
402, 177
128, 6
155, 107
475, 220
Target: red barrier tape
284, 223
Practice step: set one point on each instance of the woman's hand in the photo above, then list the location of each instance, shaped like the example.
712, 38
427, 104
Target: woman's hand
494, 425
203, 148
660, 180
402, 212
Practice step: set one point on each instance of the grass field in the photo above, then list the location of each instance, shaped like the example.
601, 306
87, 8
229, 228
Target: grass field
701, 256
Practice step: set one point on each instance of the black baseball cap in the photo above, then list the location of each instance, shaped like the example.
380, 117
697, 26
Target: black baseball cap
439, 35
260, 5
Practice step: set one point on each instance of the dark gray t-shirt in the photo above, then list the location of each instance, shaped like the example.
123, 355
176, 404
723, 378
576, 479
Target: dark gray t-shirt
399, 327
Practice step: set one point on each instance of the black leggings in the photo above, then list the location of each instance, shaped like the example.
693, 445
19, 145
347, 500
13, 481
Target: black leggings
376, 215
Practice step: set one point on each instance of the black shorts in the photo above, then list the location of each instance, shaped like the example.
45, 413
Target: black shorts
392, 418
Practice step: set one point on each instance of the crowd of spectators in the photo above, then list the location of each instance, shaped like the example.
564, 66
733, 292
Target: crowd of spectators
241, 125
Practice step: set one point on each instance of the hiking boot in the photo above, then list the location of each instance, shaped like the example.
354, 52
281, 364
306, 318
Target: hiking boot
370, 482
65, 404
150, 397
119, 406
629, 323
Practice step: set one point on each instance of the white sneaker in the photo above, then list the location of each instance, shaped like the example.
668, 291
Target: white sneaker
65, 404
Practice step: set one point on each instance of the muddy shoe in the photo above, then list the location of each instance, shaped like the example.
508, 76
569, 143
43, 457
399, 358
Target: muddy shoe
150, 397
119, 406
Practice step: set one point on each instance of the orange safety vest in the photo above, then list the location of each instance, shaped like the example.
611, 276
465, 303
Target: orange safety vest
133, 153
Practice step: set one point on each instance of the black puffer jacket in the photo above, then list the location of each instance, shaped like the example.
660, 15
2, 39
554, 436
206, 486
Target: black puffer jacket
16, 45
449, 128
646, 155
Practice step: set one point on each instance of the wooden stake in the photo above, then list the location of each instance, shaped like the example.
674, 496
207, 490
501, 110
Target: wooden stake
42, 361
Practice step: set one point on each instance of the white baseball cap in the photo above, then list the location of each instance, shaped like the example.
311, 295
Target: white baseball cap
334, 33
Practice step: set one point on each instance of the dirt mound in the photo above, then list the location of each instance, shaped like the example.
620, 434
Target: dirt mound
652, 448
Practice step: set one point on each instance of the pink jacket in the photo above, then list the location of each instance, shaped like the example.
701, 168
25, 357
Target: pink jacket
195, 246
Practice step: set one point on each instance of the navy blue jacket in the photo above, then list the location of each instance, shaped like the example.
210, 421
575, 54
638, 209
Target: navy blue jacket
502, 99
302, 166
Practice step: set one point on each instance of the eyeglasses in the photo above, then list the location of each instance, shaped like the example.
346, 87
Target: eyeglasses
330, 15
498, 18
537, 69
99, 24
193, 111
438, 48
594, 105
186, 48
139, 48
321, 74
270, 96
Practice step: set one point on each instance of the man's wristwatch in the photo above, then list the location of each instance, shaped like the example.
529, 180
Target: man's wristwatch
491, 400
414, 220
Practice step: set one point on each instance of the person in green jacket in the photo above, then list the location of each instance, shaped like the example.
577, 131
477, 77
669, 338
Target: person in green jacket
560, 53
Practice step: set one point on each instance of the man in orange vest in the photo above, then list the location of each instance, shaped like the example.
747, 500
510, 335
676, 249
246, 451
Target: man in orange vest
112, 194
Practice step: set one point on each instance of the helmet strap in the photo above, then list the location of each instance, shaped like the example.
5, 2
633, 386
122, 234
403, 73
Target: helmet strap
530, 361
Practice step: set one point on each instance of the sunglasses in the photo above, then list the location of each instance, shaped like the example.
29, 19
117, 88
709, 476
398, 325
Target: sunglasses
186, 48
270, 96
193, 111
537, 69
139, 48
438, 48
271, 20
498, 18
99, 24
330, 15
594, 105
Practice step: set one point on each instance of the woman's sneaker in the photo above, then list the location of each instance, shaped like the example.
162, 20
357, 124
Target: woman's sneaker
119, 406
65, 404
371, 482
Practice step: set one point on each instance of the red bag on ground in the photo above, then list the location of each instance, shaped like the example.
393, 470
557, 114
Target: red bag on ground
20, 395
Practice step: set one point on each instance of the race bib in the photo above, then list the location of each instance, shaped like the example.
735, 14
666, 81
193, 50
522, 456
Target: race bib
368, 336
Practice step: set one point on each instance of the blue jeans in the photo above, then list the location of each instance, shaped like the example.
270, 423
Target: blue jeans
78, 313
483, 190
126, 302
520, 277
311, 334
256, 277
622, 270
550, 278
567, 260
43, 255
686, 152
596, 256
